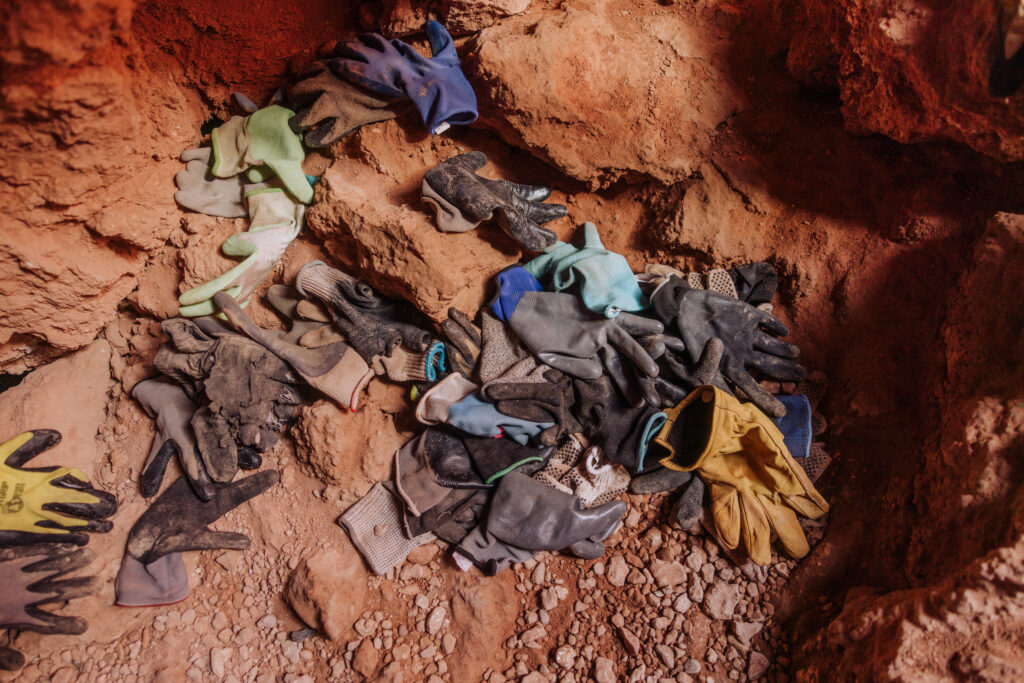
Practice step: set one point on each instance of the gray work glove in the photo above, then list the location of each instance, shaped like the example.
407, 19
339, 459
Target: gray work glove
689, 506
560, 330
489, 554
200, 190
528, 514
462, 199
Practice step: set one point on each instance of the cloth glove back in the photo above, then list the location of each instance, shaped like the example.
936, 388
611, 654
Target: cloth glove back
603, 279
275, 220
201, 191
262, 138
47, 504
480, 418
164, 581
436, 85
461, 200
434, 405
513, 282
756, 487
33, 576
374, 524
795, 425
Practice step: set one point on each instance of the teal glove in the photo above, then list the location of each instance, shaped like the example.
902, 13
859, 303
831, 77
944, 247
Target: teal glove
263, 138
275, 220
601, 278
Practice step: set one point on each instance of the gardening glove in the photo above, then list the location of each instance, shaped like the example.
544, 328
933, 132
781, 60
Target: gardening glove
406, 366
795, 425
502, 357
494, 458
462, 200
165, 401
489, 554
29, 576
452, 518
462, 341
513, 282
480, 418
164, 581
434, 405
550, 401
623, 431
200, 190
47, 504
755, 486
327, 108
436, 85
372, 324
178, 521
562, 333
594, 480
527, 514
275, 220
601, 278
688, 507
1007, 71
262, 138
750, 338
755, 283
374, 523
336, 370
415, 480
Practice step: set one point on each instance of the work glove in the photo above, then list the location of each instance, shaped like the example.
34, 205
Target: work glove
374, 523
755, 485
755, 283
601, 278
462, 340
550, 401
688, 507
327, 108
594, 480
47, 504
451, 519
200, 190
1007, 71
262, 139
691, 376
562, 333
434, 404
489, 554
164, 581
406, 366
502, 357
462, 200
436, 85
494, 458
178, 521
513, 282
275, 220
336, 370
372, 324
623, 430
795, 425
415, 479
480, 418
166, 402
32, 576
750, 338
527, 514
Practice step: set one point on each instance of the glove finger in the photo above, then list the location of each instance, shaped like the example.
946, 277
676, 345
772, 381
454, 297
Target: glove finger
66, 589
756, 528
27, 445
11, 660
524, 231
195, 472
442, 47
544, 212
207, 539
45, 622
778, 368
671, 393
156, 464
583, 368
529, 193
771, 323
784, 521
725, 508
771, 406
201, 154
542, 392
775, 346
22, 538
587, 550
232, 495
629, 347
639, 326
91, 503
525, 410
463, 321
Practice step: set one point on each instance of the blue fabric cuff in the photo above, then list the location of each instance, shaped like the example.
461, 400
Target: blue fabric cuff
513, 283
795, 425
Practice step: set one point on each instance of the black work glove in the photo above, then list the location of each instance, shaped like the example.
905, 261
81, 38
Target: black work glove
548, 401
755, 282
750, 338
462, 342
462, 199
622, 430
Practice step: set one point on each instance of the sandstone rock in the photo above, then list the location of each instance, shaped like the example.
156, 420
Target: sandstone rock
366, 659
468, 16
720, 600
329, 591
423, 554
481, 619
564, 86
668, 573
617, 571
630, 640
436, 619
758, 666
604, 670
565, 657
746, 630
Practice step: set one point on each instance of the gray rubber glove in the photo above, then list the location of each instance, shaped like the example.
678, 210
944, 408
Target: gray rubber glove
562, 333
200, 190
528, 514
462, 199
489, 554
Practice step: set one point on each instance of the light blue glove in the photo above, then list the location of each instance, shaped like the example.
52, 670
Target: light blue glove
603, 279
480, 418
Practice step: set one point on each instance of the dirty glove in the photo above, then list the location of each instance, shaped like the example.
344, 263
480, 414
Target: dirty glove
262, 138
688, 507
480, 418
47, 504
372, 324
513, 282
528, 514
405, 366
750, 338
451, 519
795, 425
166, 402
200, 190
374, 523
178, 521
549, 402
756, 487
436, 85
601, 278
623, 430
164, 581
276, 220
562, 333
327, 108
502, 357
489, 554
433, 406
704, 371
462, 340
462, 200
755, 283
336, 369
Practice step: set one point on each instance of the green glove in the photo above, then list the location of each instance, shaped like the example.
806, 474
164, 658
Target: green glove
265, 137
275, 221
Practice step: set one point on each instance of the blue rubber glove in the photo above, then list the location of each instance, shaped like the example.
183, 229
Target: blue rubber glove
603, 279
795, 425
436, 85
513, 283
480, 418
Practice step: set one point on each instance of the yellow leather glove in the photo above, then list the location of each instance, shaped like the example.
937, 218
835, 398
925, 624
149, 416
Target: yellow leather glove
46, 504
755, 485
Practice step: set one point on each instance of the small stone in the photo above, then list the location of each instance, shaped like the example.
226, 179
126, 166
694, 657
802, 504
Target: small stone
758, 666
219, 658
604, 670
617, 571
565, 657
366, 658
746, 631
668, 573
668, 658
538, 574
720, 600
421, 601
631, 641
599, 570
380, 529
691, 666
401, 652
682, 604
266, 623
696, 592
423, 554
695, 559
530, 635
412, 572
632, 518
436, 619
448, 643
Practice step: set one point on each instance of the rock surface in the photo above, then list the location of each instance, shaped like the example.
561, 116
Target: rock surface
328, 591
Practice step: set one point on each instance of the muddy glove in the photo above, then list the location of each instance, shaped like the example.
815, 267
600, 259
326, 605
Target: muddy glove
527, 514
704, 371
372, 324
200, 190
601, 278
262, 138
336, 370
489, 554
550, 402
494, 458
276, 220
462, 342
165, 401
32, 576
513, 282
755, 283
47, 504
374, 524
562, 333
622, 430
178, 521
164, 581
327, 108
688, 507
462, 200
755, 485
434, 405
436, 85
480, 418
750, 338
451, 519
